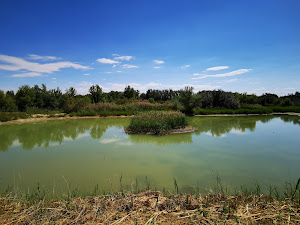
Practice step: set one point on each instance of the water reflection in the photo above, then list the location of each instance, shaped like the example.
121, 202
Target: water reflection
44, 134
41, 134
172, 139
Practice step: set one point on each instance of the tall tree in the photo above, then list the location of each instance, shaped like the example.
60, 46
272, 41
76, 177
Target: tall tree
96, 93
25, 97
189, 100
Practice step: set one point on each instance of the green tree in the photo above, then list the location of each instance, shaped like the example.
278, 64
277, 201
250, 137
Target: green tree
96, 93
25, 97
189, 100
71, 92
129, 92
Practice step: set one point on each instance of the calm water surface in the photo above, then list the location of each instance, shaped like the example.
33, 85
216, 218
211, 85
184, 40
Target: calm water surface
87, 152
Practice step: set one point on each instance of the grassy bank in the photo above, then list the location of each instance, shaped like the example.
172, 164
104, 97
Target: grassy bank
255, 110
157, 122
249, 205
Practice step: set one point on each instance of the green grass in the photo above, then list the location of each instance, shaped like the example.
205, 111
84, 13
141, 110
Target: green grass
103, 113
157, 122
249, 110
8, 116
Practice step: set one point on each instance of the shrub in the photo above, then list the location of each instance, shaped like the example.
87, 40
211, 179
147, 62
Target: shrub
157, 122
286, 102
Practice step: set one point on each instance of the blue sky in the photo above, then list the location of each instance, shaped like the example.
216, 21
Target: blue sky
245, 46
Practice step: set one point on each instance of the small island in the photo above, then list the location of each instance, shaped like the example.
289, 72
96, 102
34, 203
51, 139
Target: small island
159, 123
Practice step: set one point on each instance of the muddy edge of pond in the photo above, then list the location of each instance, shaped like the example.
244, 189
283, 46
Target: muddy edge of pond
45, 118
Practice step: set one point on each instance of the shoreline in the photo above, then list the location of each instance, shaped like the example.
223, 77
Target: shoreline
150, 207
45, 118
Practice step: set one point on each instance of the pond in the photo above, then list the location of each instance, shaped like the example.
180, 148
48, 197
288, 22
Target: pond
84, 154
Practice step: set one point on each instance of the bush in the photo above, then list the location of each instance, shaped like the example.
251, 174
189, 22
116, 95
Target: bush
7, 116
286, 102
157, 122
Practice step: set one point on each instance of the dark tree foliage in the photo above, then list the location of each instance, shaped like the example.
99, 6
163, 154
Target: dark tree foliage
96, 93
189, 100
25, 97
113, 96
219, 99
161, 95
286, 102
130, 93
246, 99
268, 99
7, 102
71, 92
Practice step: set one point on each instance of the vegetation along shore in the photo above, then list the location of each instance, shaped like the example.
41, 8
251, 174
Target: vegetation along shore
249, 205
28, 101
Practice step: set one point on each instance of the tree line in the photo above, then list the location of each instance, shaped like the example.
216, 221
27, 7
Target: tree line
40, 97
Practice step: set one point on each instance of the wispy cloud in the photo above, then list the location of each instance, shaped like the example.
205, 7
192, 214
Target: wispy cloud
107, 72
156, 67
233, 73
127, 58
32, 74
228, 81
114, 66
158, 61
44, 58
15, 64
129, 66
86, 74
152, 84
184, 67
107, 61
217, 68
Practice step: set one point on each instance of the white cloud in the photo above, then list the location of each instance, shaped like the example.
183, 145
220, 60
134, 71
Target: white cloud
16, 64
114, 66
217, 68
129, 66
127, 58
85, 84
53, 78
109, 140
32, 74
237, 131
107, 72
44, 58
158, 62
232, 80
152, 84
156, 67
119, 71
86, 74
115, 55
107, 61
233, 73
186, 66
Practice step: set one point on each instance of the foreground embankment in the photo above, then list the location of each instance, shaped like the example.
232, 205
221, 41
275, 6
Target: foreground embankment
152, 207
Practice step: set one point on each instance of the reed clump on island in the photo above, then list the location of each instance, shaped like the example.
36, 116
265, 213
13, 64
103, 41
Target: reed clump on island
158, 123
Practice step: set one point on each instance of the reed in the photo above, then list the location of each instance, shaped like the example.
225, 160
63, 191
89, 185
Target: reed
157, 122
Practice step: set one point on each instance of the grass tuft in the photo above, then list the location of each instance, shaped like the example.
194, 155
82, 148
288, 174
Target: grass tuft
157, 122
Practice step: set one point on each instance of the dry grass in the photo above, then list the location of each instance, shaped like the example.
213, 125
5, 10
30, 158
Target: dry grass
152, 208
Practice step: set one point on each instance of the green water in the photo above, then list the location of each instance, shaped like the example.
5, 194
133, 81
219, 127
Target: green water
84, 153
